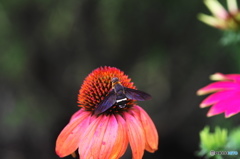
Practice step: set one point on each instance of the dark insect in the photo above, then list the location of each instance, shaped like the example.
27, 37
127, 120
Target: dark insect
120, 95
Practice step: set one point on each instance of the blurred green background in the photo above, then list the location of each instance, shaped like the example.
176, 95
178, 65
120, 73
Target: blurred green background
48, 47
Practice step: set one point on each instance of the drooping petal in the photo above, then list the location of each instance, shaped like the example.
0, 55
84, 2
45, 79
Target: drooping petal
98, 139
218, 86
67, 141
149, 129
85, 144
109, 139
216, 97
135, 135
121, 142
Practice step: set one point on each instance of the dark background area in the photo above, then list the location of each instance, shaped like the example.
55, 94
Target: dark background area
48, 47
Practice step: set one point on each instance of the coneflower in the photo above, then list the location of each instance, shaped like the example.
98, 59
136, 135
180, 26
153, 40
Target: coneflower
106, 134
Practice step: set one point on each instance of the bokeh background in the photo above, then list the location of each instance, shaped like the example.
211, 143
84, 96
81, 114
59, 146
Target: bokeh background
48, 47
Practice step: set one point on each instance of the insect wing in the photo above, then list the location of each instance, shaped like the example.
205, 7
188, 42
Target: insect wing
136, 94
107, 102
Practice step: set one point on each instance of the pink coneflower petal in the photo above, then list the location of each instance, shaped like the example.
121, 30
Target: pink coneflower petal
109, 139
98, 139
216, 109
218, 86
216, 97
149, 130
87, 136
222, 77
121, 140
226, 97
229, 106
77, 114
67, 141
233, 109
137, 140
233, 77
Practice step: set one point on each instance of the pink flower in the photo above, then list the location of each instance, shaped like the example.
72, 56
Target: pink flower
225, 97
106, 135
221, 18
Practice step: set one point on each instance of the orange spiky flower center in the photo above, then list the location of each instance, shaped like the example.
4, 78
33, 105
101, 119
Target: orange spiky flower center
98, 84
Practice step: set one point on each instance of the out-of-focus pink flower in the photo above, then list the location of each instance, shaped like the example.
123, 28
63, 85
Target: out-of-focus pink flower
106, 135
225, 97
222, 19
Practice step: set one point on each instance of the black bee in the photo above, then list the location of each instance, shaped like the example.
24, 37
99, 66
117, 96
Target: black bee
119, 96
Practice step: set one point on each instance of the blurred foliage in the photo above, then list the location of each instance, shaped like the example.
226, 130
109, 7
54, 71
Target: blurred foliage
212, 141
230, 38
219, 140
48, 47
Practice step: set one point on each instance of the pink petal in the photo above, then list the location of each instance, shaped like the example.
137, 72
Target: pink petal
233, 109
216, 109
218, 86
135, 135
67, 141
223, 77
216, 97
77, 114
234, 77
228, 105
97, 140
109, 139
87, 138
122, 140
149, 129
